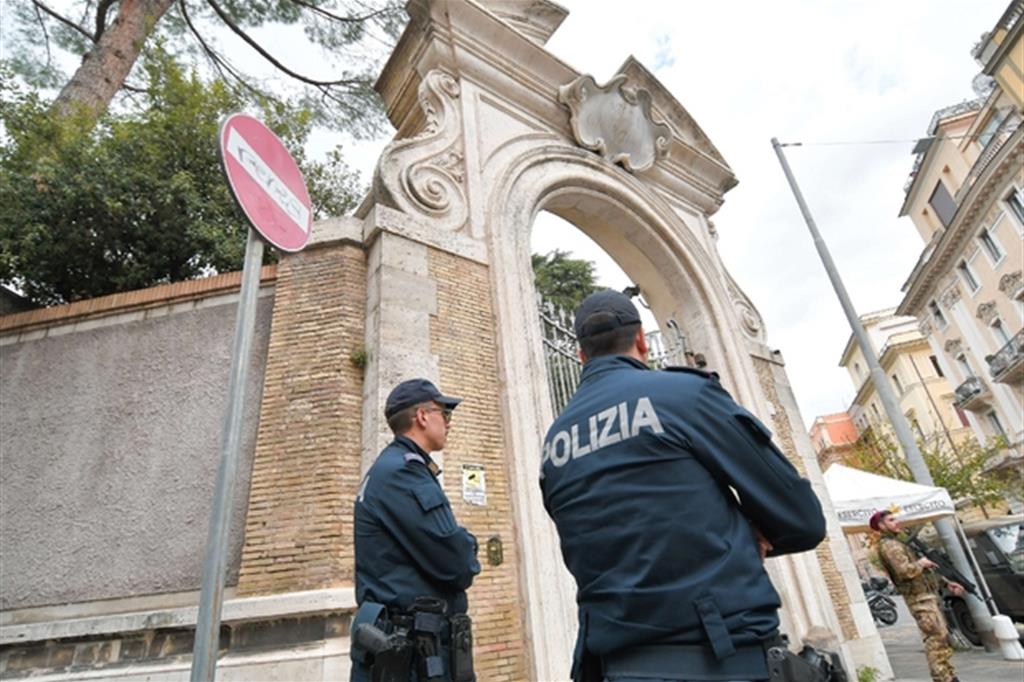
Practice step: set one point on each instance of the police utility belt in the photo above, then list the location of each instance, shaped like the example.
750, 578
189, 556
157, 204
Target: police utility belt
394, 644
770, 660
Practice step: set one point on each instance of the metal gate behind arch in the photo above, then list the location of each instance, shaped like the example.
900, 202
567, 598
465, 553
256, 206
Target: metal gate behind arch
560, 353
562, 360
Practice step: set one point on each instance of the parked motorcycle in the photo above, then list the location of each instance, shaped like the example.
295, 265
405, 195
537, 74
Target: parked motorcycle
883, 608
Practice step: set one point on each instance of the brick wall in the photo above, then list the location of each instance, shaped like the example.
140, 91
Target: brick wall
462, 335
306, 467
783, 436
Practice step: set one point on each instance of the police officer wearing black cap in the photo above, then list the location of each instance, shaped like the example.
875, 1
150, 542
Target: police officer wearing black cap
667, 495
413, 561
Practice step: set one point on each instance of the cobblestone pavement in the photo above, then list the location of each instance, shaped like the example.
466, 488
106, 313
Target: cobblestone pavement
906, 655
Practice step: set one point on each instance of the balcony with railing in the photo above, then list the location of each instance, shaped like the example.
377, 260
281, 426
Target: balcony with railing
1007, 365
973, 395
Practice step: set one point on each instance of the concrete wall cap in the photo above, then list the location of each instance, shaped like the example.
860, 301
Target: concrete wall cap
237, 610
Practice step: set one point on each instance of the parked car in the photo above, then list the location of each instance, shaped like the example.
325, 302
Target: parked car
998, 546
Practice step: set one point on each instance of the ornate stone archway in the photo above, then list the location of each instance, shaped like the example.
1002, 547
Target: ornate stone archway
493, 129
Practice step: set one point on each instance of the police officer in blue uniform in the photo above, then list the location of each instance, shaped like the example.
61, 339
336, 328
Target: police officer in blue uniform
413, 561
667, 495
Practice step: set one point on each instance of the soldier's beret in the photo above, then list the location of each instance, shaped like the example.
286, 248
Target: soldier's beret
877, 517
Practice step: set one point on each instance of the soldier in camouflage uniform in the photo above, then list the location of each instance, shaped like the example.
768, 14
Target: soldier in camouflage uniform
918, 584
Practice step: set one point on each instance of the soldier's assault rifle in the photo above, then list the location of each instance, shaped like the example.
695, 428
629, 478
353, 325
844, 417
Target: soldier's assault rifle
943, 566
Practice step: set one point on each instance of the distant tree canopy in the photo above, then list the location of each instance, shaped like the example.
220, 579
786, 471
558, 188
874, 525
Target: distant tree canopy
962, 471
109, 37
138, 198
563, 280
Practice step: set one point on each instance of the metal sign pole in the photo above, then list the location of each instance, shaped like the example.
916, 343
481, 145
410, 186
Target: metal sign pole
915, 461
211, 595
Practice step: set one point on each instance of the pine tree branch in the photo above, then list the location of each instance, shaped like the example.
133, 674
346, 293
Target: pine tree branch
251, 42
46, 36
64, 20
102, 9
337, 17
228, 72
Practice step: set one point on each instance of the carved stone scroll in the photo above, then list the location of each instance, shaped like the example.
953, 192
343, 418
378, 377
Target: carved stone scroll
950, 296
615, 121
987, 312
953, 346
750, 319
1012, 284
426, 174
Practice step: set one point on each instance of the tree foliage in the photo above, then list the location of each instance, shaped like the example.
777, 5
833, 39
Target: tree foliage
107, 37
138, 198
562, 280
963, 471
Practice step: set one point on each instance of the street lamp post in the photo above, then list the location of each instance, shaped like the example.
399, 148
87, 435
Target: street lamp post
979, 612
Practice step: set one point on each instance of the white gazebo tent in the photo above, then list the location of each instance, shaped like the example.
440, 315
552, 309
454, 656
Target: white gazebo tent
856, 495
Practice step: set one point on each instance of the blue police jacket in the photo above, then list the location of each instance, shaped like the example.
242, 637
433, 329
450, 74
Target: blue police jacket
636, 473
407, 542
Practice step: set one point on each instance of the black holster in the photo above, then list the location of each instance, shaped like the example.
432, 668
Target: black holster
428, 622
389, 655
462, 649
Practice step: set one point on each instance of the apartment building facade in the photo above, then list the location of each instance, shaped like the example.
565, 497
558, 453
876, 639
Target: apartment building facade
965, 196
833, 436
925, 394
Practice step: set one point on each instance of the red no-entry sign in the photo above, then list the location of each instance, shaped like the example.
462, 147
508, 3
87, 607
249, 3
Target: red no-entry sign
269, 188
266, 181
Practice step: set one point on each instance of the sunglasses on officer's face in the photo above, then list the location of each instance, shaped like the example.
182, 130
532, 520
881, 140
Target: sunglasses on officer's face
446, 412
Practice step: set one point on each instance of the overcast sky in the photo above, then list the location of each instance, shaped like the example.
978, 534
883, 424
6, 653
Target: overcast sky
811, 71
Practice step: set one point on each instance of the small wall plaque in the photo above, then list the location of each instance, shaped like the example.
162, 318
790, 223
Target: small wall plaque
474, 484
495, 553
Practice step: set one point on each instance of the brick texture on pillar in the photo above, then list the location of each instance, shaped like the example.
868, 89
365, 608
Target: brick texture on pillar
306, 466
462, 335
825, 551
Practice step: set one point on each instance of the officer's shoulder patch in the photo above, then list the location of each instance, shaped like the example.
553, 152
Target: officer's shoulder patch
692, 370
429, 496
414, 457
754, 425
436, 511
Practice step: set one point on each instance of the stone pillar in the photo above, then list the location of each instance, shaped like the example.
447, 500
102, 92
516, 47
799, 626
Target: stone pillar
429, 314
841, 606
400, 298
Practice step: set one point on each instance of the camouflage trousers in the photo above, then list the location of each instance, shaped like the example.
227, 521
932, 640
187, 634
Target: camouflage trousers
926, 611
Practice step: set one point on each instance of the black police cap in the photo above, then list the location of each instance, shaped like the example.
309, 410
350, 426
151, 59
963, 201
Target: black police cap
603, 311
414, 392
